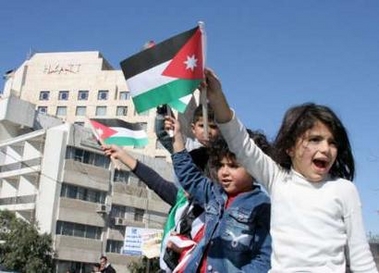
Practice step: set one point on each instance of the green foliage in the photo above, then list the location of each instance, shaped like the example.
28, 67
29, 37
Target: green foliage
144, 265
23, 248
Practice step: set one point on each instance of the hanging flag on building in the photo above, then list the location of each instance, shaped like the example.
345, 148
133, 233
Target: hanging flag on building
167, 71
119, 132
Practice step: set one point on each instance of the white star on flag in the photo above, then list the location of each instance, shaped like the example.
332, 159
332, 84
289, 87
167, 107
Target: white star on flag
99, 132
191, 62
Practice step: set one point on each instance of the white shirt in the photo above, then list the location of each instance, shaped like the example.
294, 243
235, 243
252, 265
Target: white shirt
312, 224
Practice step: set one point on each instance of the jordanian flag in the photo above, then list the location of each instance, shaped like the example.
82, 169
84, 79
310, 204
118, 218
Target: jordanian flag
165, 72
119, 132
181, 104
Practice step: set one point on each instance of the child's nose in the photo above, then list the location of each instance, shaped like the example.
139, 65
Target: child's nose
324, 146
224, 170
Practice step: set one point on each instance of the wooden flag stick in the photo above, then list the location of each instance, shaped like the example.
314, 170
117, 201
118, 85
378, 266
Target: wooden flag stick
203, 90
169, 113
204, 103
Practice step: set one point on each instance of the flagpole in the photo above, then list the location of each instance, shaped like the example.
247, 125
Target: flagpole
101, 142
203, 90
169, 113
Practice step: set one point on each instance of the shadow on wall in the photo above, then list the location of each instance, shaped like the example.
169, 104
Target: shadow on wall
375, 252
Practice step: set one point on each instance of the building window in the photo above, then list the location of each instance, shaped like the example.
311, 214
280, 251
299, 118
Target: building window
44, 95
102, 95
61, 111
114, 246
78, 230
101, 110
63, 95
87, 157
118, 211
83, 95
81, 193
80, 111
122, 110
138, 215
42, 109
124, 95
121, 176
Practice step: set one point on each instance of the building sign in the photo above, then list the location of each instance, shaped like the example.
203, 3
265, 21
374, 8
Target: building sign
61, 68
142, 242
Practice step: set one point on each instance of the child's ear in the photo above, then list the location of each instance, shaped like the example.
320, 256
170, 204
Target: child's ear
290, 152
193, 127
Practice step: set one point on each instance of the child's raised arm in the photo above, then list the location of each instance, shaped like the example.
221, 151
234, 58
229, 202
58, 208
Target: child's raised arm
117, 152
173, 124
163, 188
216, 97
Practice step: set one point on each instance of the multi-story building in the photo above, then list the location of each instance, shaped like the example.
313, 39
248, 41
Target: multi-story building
75, 86
52, 171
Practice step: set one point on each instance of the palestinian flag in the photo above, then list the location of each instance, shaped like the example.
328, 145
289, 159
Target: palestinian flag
119, 132
167, 71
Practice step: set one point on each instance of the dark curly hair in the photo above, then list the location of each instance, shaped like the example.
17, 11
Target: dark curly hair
297, 120
219, 148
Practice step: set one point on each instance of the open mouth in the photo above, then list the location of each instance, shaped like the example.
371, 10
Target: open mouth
322, 164
225, 183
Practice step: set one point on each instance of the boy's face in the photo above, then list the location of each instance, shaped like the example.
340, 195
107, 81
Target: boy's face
198, 131
233, 178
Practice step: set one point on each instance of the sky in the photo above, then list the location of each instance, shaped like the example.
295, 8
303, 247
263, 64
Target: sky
269, 55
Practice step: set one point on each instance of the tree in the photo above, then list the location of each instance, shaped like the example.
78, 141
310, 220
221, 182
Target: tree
144, 265
23, 249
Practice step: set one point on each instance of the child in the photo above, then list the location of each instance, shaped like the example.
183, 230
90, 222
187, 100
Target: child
200, 139
236, 234
197, 147
316, 216
187, 216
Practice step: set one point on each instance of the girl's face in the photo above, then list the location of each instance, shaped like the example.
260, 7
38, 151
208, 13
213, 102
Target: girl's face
233, 178
314, 153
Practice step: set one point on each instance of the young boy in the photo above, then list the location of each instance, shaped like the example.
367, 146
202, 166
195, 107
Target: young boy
200, 139
190, 217
237, 212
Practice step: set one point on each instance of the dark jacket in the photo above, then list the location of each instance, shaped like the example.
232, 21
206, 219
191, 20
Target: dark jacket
108, 269
236, 238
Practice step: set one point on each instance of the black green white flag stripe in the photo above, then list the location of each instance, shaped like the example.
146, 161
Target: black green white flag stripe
165, 72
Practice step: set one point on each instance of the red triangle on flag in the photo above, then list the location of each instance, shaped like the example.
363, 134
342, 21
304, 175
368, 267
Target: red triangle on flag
102, 131
188, 62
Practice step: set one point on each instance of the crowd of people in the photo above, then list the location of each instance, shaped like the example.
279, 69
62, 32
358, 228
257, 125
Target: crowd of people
242, 204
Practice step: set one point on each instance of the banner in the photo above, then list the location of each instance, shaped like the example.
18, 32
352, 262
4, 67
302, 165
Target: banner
142, 242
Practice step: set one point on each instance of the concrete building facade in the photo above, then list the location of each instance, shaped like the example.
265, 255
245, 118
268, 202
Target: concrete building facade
52, 171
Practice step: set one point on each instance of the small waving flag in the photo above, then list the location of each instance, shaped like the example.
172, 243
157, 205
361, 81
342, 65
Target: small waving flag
165, 72
119, 132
